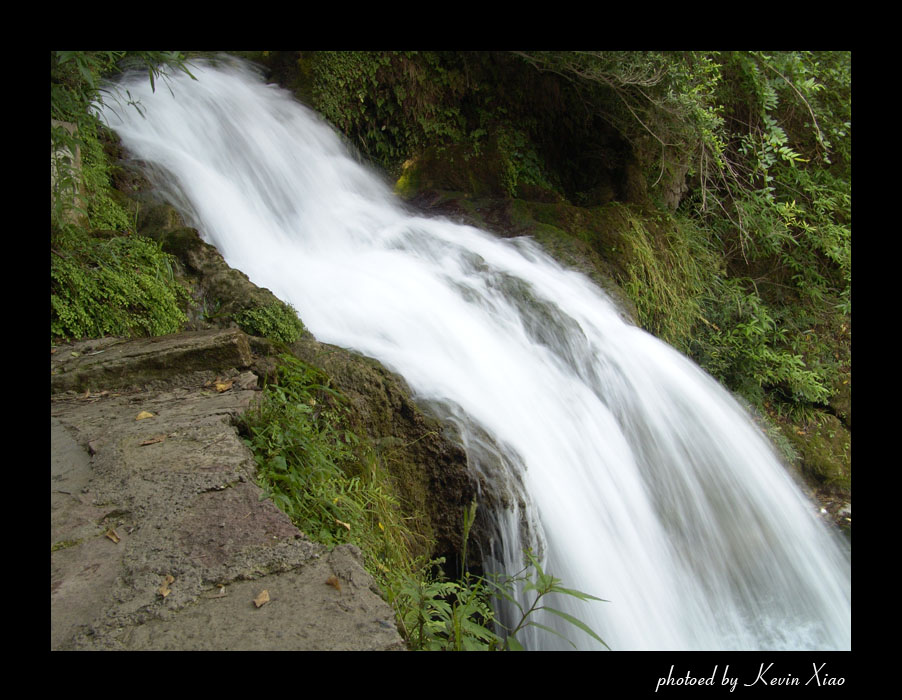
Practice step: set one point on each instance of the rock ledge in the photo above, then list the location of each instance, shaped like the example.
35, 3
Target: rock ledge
159, 537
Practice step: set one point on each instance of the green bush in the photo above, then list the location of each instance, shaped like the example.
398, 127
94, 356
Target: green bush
118, 286
750, 351
328, 480
278, 322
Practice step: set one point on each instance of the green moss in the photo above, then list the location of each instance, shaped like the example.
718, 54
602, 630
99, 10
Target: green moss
105, 212
824, 448
278, 322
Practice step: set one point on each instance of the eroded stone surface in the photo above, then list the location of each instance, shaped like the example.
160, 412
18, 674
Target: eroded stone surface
153, 491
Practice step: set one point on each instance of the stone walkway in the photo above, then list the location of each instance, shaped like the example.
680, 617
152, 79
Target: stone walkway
159, 537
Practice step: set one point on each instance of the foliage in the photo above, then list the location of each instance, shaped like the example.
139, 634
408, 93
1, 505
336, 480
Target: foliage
116, 286
76, 86
520, 161
278, 322
390, 103
784, 224
436, 614
748, 349
104, 280
329, 481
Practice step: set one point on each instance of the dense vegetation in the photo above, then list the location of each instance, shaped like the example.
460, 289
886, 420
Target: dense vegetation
104, 279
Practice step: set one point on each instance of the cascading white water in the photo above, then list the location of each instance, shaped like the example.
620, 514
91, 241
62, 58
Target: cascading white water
642, 480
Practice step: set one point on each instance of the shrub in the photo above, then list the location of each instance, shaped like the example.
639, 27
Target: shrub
278, 322
118, 286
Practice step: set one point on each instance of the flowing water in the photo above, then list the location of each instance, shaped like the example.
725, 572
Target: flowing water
634, 474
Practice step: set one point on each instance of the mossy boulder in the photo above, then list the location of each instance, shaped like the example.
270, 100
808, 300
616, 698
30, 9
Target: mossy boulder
453, 168
222, 295
824, 448
429, 470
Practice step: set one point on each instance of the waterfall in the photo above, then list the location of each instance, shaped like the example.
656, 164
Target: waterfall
637, 477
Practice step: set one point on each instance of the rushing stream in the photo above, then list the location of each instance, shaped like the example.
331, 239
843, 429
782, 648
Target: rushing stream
635, 474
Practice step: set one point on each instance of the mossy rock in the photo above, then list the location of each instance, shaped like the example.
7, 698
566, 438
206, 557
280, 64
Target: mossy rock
841, 401
429, 470
223, 296
454, 168
824, 448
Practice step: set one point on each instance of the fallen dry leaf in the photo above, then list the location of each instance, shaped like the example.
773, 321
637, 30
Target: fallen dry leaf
151, 441
164, 590
220, 594
262, 599
143, 415
113, 536
334, 582
347, 525
223, 386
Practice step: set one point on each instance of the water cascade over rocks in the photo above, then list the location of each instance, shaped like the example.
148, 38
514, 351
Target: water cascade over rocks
634, 474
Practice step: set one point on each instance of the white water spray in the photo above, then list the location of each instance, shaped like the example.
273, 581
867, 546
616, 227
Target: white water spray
640, 478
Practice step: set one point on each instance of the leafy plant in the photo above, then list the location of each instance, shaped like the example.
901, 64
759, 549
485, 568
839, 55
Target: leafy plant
436, 614
278, 321
326, 478
117, 286
534, 580
76, 86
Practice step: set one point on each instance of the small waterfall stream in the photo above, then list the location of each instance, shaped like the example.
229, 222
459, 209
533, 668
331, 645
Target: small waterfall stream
640, 479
